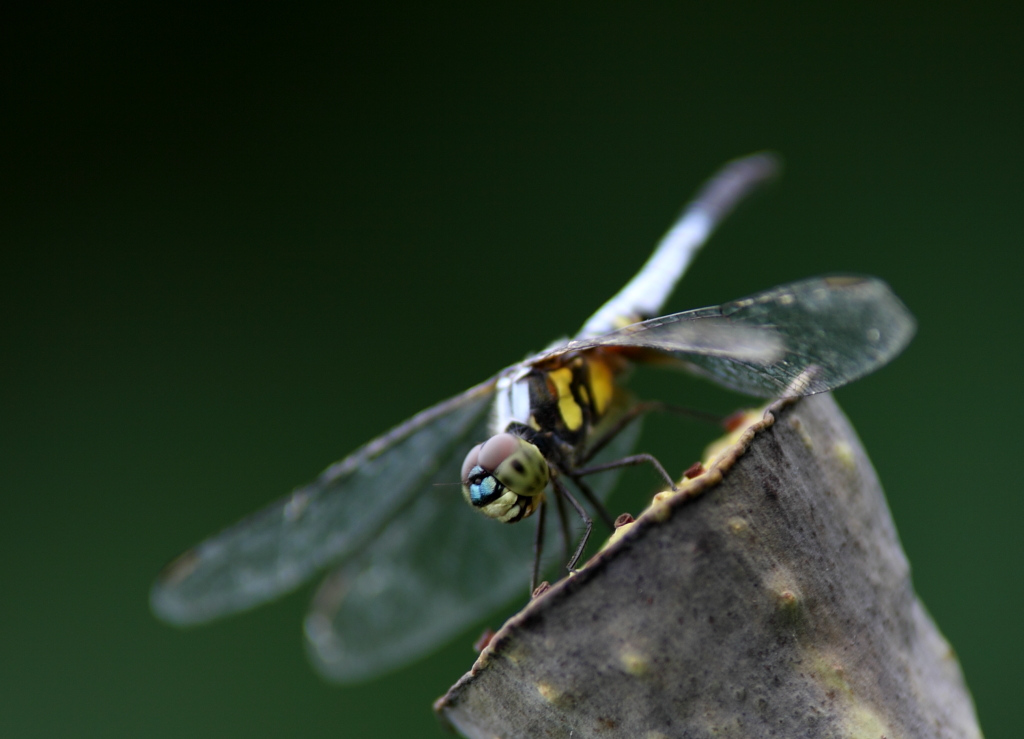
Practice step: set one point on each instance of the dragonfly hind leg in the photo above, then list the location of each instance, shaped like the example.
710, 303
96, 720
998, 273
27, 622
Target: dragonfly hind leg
563, 494
630, 461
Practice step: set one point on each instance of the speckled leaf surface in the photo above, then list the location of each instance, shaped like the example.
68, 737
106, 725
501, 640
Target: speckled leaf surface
769, 598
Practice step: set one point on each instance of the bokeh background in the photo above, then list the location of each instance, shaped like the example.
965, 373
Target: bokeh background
238, 244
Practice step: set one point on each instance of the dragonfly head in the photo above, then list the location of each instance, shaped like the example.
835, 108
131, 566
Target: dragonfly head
505, 477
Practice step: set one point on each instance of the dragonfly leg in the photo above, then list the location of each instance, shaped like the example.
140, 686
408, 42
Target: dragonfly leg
563, 521
538, 545
635, 412
587, 522
628, 462
597, 505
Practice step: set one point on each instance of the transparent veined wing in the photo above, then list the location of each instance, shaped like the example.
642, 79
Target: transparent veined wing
419, 565
798, 339
438, 568
337, 515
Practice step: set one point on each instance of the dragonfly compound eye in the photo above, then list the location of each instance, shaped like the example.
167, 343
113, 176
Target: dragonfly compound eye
504, 477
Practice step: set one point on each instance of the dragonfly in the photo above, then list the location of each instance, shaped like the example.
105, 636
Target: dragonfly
412, 565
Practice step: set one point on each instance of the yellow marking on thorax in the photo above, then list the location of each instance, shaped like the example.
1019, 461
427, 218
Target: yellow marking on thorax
572, 414
602, 384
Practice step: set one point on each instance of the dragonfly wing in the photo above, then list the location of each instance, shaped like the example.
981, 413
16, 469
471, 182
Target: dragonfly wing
335, 516
646, 293
438, 568
798, 339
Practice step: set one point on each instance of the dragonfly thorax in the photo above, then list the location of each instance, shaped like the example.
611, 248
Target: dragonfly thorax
565, 397
543, 416
505, 477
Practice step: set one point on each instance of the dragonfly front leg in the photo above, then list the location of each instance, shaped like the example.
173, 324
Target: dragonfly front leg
538, 545
594, 501
587, 521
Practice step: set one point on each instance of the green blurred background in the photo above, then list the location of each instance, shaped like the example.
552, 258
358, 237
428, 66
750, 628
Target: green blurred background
236, 245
